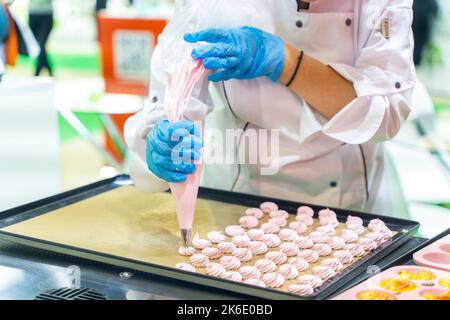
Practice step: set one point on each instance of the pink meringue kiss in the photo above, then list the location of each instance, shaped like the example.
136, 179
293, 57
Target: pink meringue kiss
333, 263
279, 214
349, 236
324, 272
212, 253
310, 280
355, 249
265, 265
256, 234
301, 290
376, 225
357, 228
232, 276
254, 212
288, 271
308, 220
327, 213
243, 254
318, 237
336, 243
367, 244
249, 272
281, 222
289, 249
241, 241
303, 242
386, 233
199, 260
255, 282
248, 222
287, 235
276, 256
214, 269
328, 229
309, 255
354, 220
298, 227
185, 267
299, 263
226, 247
230, 262
322, 249
305, 210
270, 227
216, 237
186, 251
268, 207
273, 279
329, 220
344, 256
234, 230
271, 240
375, 236
257, 247
200, 243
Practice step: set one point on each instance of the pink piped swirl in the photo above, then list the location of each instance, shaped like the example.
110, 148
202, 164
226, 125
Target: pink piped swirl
214, 269
349, 236
216, 237
367, 244
288, 271
322, 249
241, 241
324, 272
329, 220
318, 237
232, 276
254, 212
199, 260
355, 249
258, 247
333, 263
250, 272
301, 290
212, 253
226, 247
255, 282
336, 243
309, 255
375, 236
310, 280
328, 229
327, 213
279, 214
298, 227
248, 222
271, 240
276, 256
299, 263
268, 206
256, 234
357, 228
308, 220
304, 242
305, 210
243, 254
290, 249
265, 265
287, 235
376, 225
200, 243
344, 256
230, 262
273, 279
281, 222
386, 233
234, 230
186, 251
354, 221
270, 227
185, 267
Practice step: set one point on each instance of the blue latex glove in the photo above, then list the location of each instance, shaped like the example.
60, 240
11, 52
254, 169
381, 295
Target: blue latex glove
239, 53
172, 148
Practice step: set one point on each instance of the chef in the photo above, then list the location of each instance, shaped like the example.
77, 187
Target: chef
335, 78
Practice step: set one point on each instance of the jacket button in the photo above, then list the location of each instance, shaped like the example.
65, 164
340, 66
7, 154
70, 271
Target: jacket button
398, 85
333, 184
348, 22
299, 23
155, 99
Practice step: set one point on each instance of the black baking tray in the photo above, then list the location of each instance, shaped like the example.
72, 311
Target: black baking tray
405, 230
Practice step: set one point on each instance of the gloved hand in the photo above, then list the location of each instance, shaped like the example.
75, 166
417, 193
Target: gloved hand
239, 53
172, 148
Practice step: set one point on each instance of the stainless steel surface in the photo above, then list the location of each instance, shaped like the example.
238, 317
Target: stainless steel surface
186, 237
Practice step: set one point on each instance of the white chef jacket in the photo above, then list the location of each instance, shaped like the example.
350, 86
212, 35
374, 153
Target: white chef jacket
335, 162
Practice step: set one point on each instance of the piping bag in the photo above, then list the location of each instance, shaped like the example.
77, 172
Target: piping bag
176, 98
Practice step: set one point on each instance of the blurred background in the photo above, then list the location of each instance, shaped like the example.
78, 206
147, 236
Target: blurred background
76, 69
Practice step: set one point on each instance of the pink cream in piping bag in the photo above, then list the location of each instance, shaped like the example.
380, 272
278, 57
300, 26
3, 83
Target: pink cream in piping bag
176, 99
